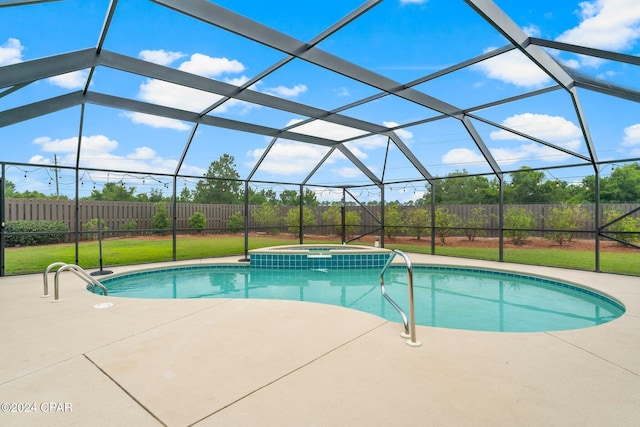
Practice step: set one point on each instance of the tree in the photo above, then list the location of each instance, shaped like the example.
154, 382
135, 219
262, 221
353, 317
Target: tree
185, 196
113, 192
526, 187
10, 189
622, 186
459, 188
221, 183
289, 198
309, 198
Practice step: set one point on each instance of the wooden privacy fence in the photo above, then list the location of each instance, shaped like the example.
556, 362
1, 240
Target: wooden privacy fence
116, 214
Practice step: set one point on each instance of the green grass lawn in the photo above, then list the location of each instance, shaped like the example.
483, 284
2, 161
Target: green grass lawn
621, 263
34, 259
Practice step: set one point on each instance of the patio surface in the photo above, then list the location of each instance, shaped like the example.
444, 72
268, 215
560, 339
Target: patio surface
227, 362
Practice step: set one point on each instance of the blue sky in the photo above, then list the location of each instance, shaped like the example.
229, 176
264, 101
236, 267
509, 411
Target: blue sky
400, 40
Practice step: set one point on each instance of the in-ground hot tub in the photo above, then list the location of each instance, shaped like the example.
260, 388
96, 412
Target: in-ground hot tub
319, 256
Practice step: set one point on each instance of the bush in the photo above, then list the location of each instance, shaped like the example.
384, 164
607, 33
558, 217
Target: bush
41, 227
292, 220
92, 225
198, 221
622, 227
474, 223
333, 216
129, 226
564, 220
419, 222
393, 221
446, 222
235, 223
268, 217
519, 221
161, 221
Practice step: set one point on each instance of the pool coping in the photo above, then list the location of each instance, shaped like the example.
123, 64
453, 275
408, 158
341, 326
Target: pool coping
262, 362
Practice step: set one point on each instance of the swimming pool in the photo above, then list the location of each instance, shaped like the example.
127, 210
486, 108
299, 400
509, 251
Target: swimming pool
448, 297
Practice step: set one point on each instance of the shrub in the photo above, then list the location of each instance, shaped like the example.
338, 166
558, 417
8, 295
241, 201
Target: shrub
161, 221
235, 224
517, 221
198, 221
352, 223
129, 226
622, 227
564, 220
333, 216
446, 222
393, 221
292, 219
94, 226
477, 220
419, 222
40, 227
268, 217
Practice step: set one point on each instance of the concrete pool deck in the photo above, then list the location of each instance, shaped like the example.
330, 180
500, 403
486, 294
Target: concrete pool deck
226, 362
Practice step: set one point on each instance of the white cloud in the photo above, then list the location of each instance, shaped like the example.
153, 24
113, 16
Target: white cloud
157, 121
11, 52
632, 136
462, 156
287, 92
176, 96
97, 152
189, 99
342, 91
402, 133
289, 158
208, 66
161, 57
554, 129
631, 141
72, 80
513, 67
606, 24
348, 172
327, 130
531, 30
90, 144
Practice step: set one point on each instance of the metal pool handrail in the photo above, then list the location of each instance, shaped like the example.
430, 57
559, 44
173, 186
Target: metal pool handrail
409, 325
75, 269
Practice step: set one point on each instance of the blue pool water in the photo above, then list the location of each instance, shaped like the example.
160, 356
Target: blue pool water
448, 297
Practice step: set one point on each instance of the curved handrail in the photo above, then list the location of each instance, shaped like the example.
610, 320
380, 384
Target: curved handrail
78, 271
46, 277
409, 325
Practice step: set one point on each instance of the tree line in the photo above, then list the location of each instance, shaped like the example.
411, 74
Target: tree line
222, 185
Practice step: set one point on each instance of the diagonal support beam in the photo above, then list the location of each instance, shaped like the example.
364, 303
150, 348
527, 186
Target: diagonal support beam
41, 108
27, 72
252, 30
